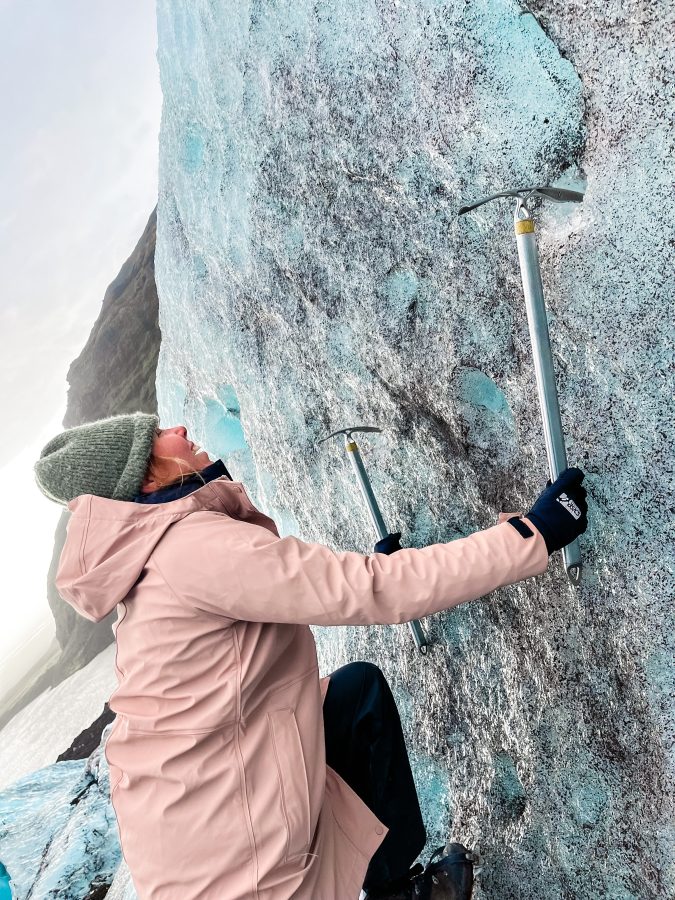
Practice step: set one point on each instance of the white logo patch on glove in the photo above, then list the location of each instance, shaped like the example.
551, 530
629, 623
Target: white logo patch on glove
569, 505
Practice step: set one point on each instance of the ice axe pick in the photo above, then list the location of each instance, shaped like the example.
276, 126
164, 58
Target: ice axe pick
374, 510
539, 336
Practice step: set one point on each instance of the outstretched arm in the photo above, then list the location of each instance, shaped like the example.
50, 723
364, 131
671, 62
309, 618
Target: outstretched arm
243, 572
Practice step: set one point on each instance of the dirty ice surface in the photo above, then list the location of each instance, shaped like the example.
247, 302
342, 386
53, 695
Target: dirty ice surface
313, 275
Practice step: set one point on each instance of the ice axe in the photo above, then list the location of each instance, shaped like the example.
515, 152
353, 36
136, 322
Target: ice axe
389, 542
539, 336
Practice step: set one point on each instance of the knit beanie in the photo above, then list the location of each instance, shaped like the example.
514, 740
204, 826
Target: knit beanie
108, 458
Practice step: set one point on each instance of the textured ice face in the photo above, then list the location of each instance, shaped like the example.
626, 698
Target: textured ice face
58, 833
313, 274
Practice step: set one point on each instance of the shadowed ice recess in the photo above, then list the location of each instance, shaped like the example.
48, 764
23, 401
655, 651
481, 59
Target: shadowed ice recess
313, 274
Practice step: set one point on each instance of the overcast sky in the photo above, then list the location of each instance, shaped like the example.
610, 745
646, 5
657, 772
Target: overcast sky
80, 106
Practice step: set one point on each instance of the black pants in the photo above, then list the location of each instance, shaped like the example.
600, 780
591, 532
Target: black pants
365, 746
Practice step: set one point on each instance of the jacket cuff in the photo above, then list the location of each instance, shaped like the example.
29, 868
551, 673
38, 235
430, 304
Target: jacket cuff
521, 527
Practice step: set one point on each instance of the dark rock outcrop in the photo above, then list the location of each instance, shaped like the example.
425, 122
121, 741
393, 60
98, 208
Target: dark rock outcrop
97, 890
115, 372
88, 740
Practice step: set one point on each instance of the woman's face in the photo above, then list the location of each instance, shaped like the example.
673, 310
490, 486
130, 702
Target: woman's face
174, 442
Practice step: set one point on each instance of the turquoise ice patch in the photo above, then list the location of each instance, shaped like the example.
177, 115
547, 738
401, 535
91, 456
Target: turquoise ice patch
477, 389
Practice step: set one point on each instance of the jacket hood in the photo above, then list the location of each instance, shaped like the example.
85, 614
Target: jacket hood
108, 542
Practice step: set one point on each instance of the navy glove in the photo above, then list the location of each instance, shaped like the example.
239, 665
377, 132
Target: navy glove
560, 513
389, 544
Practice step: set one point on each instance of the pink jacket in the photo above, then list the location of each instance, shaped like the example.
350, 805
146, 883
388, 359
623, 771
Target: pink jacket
217, 758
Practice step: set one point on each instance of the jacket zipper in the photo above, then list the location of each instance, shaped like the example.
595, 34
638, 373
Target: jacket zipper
242, 773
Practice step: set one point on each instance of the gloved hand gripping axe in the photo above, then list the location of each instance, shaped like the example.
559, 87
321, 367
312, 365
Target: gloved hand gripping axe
539, 336
388, 543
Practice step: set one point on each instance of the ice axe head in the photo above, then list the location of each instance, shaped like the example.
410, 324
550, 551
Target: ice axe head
545, 192
348, 432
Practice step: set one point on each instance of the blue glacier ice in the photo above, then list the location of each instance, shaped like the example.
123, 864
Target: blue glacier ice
58, 832
313, 274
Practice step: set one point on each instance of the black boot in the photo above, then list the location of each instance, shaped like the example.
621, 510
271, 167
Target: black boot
450, 878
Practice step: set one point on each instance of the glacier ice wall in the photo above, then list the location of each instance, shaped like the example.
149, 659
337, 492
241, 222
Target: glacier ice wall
58, 832
313, 274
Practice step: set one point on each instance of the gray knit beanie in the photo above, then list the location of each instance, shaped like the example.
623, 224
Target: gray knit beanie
108, 458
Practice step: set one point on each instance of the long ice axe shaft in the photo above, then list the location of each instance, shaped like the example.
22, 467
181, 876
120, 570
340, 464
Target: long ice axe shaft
528, 258
373, 508
382, 531
365, 487
543, 365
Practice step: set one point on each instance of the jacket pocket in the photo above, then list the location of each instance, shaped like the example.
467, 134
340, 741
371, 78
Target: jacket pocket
293, 784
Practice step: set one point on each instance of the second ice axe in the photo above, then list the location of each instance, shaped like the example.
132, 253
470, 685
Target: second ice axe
388, 541
539, 336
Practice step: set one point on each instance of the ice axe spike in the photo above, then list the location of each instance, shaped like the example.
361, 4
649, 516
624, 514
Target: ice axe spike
373, 508
539, 336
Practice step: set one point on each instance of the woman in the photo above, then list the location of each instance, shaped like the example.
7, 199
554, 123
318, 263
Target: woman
236, 772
